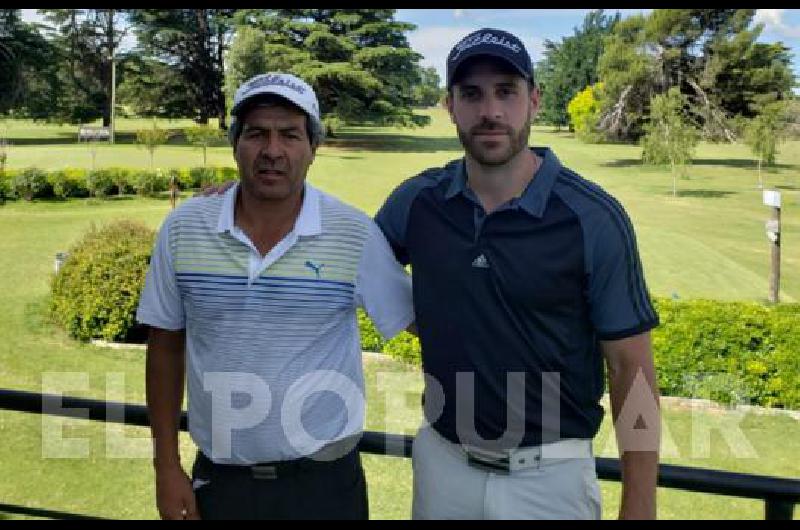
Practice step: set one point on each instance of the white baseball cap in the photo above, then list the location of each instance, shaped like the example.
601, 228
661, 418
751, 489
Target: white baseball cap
285, 85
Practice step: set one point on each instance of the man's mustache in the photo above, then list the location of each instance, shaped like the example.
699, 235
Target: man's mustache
489, 127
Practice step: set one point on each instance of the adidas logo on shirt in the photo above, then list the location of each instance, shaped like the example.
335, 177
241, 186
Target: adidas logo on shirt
481, 262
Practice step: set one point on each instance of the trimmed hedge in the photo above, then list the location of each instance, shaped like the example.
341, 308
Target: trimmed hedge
730, 352
68, 183
5, 187
96, 292
33, 183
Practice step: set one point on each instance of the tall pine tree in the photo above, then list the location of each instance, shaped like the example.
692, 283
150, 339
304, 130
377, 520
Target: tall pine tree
358, 60
193, 43
86, 40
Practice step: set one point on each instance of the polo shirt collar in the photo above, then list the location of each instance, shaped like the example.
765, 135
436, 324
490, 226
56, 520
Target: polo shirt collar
534, 198
308, 223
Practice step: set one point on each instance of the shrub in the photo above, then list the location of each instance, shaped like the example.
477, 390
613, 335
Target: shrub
729, 351
584, 111
371, 340
5, 187
68, 183
201, 176
182, 178
121, 177
404, 347
96, 292
332, 125
31, 183
150, 183
100, 182
225, 174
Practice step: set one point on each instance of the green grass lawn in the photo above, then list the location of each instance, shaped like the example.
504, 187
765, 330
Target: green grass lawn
708, 242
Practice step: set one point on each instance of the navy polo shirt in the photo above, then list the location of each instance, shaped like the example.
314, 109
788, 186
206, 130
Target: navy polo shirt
510, 306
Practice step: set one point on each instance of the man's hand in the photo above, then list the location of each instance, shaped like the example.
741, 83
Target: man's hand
217, 190
174, 496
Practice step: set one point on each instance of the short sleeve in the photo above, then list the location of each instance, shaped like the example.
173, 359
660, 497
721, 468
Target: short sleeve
161, 305
392, 219
383, 287
619, 303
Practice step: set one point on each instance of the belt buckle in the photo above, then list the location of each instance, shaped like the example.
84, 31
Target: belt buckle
492, 461
264, 472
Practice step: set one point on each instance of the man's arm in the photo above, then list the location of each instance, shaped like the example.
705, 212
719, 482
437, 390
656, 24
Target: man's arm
634, 392
165, 370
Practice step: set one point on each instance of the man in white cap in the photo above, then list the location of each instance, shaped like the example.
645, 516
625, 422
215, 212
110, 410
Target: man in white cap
259, 286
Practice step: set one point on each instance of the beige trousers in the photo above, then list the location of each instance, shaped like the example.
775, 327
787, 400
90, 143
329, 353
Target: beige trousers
554, 487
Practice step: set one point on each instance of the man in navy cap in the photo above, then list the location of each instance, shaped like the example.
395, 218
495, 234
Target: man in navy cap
526, 278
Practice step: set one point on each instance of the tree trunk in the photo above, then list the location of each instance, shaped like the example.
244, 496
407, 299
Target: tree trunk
760, 182
674, 179
221, 66
110, 47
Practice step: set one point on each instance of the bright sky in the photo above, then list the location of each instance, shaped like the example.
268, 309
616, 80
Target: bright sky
439, 29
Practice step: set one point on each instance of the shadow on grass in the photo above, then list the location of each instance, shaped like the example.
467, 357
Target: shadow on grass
704, 194
742, 163
120, 138
61, 139
334, 155
390, 142
789, 187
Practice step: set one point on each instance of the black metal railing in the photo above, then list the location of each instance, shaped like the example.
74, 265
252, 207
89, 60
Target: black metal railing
779, 494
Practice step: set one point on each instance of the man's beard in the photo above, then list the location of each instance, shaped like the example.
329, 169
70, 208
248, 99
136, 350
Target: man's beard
481, 155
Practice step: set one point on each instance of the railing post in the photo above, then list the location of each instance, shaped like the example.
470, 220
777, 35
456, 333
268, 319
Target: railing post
777, 510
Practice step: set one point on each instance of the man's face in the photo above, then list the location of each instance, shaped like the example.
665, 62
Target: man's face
492, 110
273, 153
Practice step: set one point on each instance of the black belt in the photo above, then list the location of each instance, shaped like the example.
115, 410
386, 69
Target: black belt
283, 468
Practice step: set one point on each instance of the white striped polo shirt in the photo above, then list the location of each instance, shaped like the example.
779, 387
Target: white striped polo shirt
273, 349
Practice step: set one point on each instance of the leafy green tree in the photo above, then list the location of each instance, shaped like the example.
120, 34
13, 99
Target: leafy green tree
358, 60
763, 134
152, 88
670, 138
28, 62
628, 74
571, 65
203, 137
710, 55
245, 58
151, 139
584, 111
428, 92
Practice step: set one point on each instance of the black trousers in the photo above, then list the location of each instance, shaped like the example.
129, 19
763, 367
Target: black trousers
297, 489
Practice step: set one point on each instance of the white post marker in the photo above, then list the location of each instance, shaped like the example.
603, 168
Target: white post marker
772, 198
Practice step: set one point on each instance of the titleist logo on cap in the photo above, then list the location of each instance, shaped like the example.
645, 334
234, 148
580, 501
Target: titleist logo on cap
485, 38
274, 80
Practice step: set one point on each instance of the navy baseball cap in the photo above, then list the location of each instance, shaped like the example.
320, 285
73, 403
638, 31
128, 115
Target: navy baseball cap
494, 43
